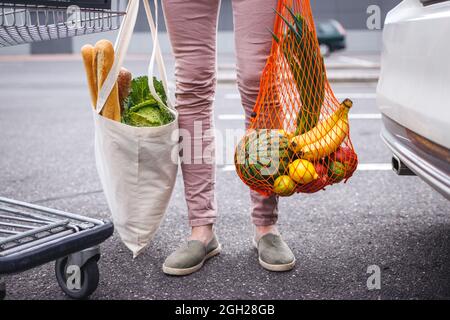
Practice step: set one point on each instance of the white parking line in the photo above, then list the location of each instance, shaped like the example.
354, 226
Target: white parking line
356, 95
361, 167
374, 166
228, 168
231, 117
357, 61
340, 96
352, 116
232, 96
364, 116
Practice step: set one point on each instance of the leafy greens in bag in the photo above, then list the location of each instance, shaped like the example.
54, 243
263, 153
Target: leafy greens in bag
142, 109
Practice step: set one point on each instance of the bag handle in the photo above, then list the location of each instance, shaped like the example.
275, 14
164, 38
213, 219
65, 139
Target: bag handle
156, 55
121, 47
120, 50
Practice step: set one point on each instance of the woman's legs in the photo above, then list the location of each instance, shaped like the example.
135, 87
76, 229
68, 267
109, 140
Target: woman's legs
192, 27
252, 21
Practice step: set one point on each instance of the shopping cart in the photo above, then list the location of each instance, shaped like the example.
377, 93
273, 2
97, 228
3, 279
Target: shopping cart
32, 235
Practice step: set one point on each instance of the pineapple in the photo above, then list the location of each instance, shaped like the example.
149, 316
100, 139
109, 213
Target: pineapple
300, 48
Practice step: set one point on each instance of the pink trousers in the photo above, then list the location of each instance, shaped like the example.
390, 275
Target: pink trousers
192, 28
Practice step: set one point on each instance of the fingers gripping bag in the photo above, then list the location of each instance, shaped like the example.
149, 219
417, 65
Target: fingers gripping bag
299, 135
136, 148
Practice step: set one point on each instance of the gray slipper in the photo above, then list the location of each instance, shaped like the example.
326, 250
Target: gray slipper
190, 257
274, 254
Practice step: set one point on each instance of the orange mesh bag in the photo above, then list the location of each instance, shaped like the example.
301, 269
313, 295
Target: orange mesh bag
299, 137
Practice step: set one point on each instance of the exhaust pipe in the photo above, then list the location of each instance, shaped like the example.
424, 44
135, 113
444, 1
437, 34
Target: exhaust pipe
400, 168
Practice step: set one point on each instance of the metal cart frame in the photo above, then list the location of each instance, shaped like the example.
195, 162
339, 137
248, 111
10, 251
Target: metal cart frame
36, 235
22, 22
32, 235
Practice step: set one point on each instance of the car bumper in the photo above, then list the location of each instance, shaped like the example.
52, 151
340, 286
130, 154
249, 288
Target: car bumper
428, 160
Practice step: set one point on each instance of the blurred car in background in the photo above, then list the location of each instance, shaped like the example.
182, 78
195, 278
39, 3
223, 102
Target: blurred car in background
413, 91
332, 36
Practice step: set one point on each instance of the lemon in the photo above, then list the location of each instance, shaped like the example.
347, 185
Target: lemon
284, 186
302, 171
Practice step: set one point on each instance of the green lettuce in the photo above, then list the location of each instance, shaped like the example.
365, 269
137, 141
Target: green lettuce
142, 109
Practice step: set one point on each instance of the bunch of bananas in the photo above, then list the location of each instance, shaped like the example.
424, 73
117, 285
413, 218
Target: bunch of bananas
326, 137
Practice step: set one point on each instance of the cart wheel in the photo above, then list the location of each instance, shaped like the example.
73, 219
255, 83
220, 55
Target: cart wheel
2, 289
87, 284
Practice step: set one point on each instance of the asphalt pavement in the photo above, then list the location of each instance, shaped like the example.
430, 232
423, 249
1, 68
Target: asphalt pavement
397, 223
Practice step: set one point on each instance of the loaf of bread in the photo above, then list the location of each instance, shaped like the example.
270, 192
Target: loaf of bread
104, 53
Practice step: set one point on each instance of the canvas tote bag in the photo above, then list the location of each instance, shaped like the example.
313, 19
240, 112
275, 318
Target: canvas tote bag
137, 165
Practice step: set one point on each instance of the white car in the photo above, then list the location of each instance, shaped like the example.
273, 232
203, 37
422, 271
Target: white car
413, 93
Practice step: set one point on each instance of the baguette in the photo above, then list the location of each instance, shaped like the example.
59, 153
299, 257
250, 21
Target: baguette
88, 54
105, 60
